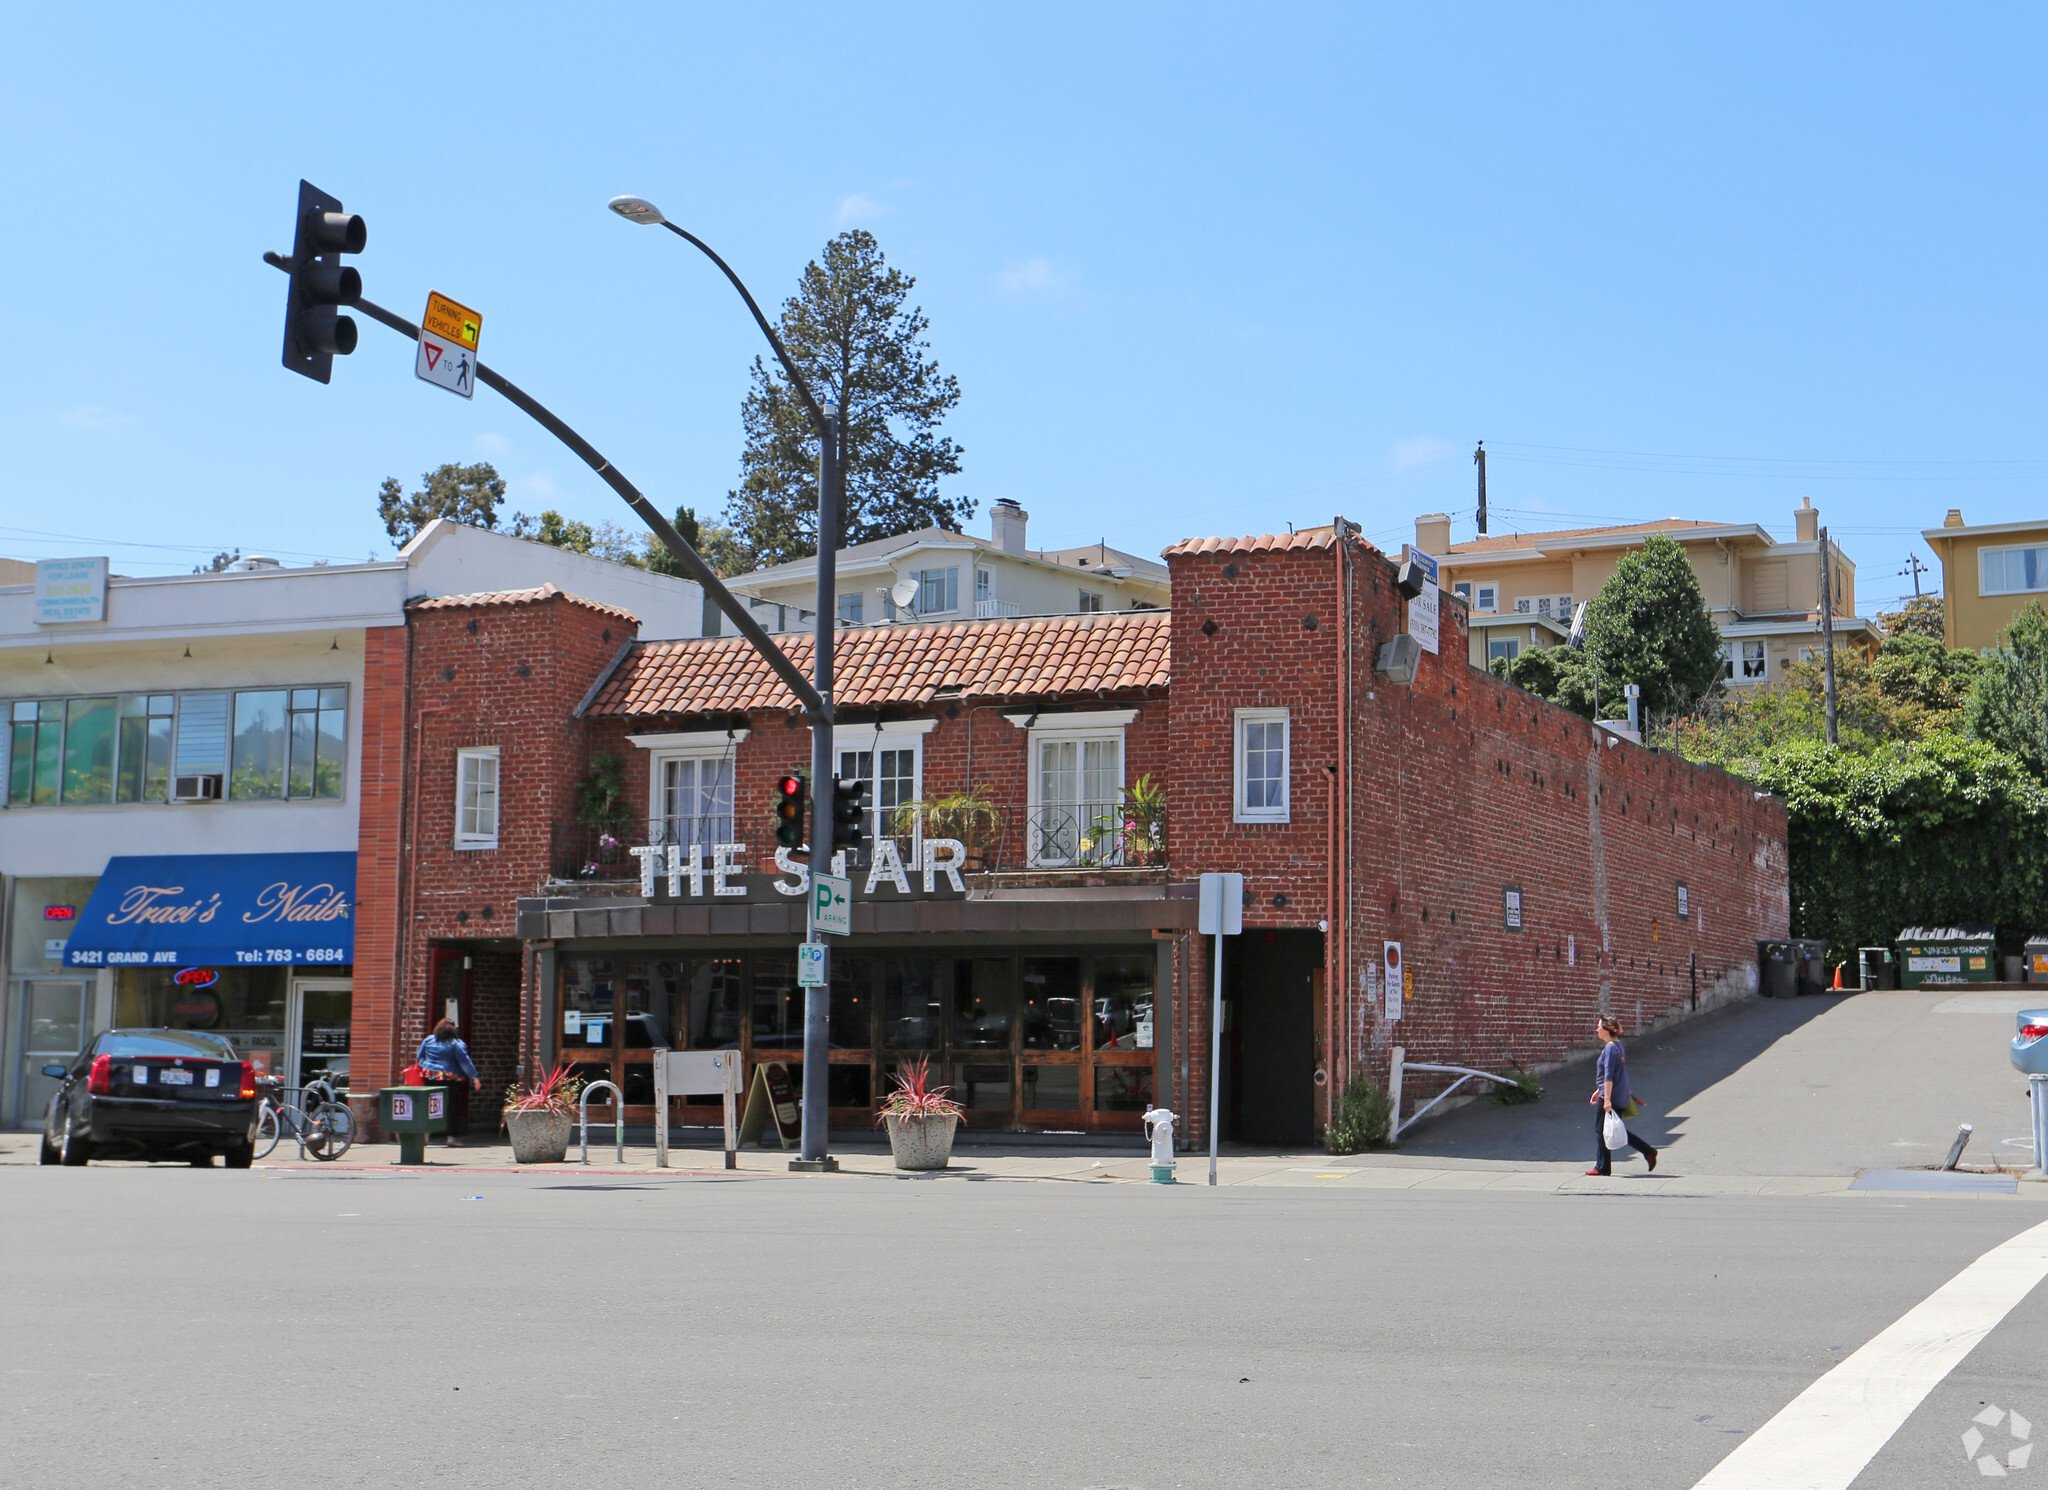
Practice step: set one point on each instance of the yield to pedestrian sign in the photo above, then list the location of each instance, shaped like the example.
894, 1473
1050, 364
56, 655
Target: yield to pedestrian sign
832, 904
449, 333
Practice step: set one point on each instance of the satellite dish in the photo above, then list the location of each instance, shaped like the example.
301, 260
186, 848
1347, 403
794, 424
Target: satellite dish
904, 592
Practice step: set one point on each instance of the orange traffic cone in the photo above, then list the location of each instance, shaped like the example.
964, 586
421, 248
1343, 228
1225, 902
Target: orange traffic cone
1838, 977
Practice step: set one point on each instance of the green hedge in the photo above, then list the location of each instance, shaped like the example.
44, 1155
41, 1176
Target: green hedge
1936, 832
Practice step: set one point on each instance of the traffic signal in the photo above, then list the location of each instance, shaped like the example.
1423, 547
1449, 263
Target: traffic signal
792, 801
315, 331
850, 803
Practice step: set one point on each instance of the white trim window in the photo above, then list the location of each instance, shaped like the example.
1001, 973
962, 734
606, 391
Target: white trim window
476, 797
692, 797
2006, 571
1260, 776
938, 591
1753, 667
890, 764
1076, 788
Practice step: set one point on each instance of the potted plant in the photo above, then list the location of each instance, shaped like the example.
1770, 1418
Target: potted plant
1145, 822
602, 809
967, 816
920, 1118
541, 1118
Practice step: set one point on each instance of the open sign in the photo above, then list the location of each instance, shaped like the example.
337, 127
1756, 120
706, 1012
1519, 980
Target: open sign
196, 977
60, 913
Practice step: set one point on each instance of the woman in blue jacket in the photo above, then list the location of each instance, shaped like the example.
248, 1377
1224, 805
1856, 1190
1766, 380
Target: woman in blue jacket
445, 1060
1611, 1094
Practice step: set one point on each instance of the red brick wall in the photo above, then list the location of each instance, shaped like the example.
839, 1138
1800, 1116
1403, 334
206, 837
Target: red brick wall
1461, 785
382, 719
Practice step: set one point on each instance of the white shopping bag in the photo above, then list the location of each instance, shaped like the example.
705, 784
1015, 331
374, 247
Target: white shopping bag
1614, 1132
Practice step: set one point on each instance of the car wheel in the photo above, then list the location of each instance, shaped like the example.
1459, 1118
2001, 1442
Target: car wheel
47, 1154
77, 1149
240, 1156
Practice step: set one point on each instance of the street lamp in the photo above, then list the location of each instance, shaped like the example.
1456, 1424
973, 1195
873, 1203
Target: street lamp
831, 499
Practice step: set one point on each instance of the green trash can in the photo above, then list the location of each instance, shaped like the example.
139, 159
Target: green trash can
1931, 956
412, 1112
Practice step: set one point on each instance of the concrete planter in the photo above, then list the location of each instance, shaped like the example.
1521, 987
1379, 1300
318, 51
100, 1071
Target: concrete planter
921, 1142
539, 1137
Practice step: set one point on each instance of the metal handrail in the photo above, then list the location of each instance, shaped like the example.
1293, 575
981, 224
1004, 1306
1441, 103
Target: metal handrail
618, 1121
1402, 1066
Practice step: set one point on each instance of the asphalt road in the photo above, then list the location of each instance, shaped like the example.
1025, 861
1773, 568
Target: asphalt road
175, 1327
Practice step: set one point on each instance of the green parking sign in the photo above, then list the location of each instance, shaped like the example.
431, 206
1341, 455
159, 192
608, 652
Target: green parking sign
832, 904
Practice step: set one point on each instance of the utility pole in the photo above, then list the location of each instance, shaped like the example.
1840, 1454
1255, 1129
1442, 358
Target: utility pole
1827, 633
1479, 460
1915, 568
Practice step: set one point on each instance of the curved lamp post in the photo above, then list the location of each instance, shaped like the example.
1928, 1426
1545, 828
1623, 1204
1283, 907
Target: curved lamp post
825, 420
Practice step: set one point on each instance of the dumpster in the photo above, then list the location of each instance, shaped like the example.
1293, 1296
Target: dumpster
412, 1112
1931, 956
1788, 968
2037, 959
1876, 969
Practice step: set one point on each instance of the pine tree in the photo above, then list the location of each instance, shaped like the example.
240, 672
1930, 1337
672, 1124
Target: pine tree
1649, 625
848, 331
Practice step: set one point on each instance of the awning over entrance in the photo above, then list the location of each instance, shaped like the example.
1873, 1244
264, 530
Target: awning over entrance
219, 910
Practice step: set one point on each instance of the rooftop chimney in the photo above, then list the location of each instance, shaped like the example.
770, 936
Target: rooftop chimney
1433, 533
1006, 523
1808, 520
1954, 518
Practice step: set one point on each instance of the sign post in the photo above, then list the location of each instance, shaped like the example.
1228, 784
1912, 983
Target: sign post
1221, 915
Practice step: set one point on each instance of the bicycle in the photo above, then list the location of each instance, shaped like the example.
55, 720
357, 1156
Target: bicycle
320, 1123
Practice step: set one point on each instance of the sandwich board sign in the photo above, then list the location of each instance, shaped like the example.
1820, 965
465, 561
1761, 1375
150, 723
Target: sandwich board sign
771, 1101
449, 332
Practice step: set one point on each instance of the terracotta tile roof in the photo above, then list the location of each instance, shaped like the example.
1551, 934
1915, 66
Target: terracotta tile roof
1307, 538
549, 591
1562, 537
1038, 657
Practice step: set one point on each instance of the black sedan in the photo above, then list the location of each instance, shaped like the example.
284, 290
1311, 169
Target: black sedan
153, 1094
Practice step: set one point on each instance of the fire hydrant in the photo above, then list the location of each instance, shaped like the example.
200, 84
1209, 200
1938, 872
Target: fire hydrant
1159, 1128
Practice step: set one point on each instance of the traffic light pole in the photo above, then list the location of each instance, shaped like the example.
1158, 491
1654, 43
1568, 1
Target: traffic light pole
816, 1135
742, 618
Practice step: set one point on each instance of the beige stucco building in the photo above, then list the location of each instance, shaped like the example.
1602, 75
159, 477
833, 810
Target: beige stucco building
1523, 589
1988, 573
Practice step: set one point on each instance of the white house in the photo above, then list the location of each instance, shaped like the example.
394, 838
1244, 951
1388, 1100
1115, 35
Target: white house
953, 576
183, 740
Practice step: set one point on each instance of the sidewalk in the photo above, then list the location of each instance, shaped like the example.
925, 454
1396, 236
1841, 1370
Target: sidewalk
1238, 1168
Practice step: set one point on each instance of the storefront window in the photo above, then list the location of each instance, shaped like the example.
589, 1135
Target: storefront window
245, 1004
712, 991
1052, 1003
911, 1011
1123, 1088
853, 1006
45, 910
1123, 1003
984, 1004
778, 1002
1052, 1088
587, 1004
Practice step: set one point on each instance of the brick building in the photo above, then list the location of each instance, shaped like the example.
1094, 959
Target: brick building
1045, 792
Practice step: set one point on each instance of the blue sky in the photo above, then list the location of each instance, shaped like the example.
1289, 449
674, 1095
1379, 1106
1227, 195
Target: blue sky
1198, 269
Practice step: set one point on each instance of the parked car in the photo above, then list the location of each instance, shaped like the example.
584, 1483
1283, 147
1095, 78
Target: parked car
153, 1094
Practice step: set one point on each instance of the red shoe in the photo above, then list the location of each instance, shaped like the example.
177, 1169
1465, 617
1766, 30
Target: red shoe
1652, 1156
1603, 1174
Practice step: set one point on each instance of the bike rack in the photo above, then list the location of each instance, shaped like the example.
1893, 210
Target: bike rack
618, 1121
1402, 1065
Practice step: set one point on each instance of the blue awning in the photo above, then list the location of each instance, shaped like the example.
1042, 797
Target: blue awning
219, 910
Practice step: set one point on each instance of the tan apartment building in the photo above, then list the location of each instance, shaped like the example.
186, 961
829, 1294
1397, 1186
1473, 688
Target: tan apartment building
1988, 573
1523, 589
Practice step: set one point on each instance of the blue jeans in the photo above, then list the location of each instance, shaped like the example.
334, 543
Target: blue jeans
1602, 1160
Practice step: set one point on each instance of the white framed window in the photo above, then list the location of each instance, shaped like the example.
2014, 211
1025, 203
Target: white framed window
1090, 602
689, 785
1743, 662
2005, 571
1505, 649
1259, 794
890, 764
1486, 598
984, 590
476, 797
850, 609
938, 591
1074, 815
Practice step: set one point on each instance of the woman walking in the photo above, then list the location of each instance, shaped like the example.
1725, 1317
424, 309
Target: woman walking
1611, 1094
445, 1060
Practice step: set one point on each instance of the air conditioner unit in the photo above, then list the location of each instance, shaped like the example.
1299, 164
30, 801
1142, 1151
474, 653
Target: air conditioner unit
195, 788
1400, 658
